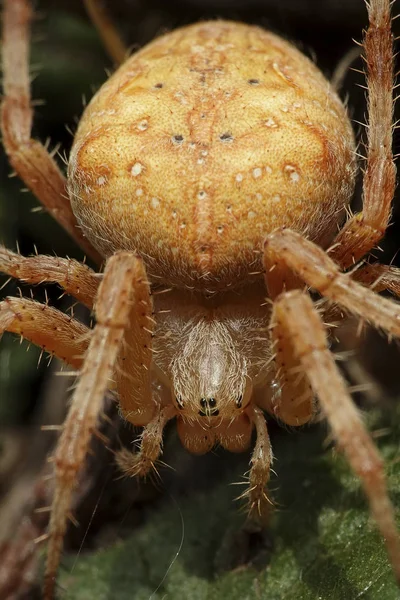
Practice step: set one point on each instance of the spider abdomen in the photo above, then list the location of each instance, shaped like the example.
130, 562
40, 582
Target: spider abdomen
203, 143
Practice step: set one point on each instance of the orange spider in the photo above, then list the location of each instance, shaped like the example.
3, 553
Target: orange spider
211, 170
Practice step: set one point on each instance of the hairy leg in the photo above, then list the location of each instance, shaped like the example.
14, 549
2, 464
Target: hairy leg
260, 466
143, 462
112, 309
46, 327
293, 401
302, 328
364, 230
74, 277
109, 35
320, 272
374, 276
29, 158
379, 277
137, 399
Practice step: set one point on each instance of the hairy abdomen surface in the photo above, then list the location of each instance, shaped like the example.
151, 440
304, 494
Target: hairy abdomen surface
204, 142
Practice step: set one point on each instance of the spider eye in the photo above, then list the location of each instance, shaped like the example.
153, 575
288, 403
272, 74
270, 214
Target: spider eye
203, 402
239, 401
212, 402
179, 401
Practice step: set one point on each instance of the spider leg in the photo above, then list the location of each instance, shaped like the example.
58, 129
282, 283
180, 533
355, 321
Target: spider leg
113, 307
46, 327
364, 230
302, 328
74, 277
293, 403
260, 465
143, 462
29, 158
110, 37
320, 272
133, 374
280, 278
379, 277
374, 276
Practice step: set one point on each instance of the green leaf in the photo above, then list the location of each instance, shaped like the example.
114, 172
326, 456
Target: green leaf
192, 544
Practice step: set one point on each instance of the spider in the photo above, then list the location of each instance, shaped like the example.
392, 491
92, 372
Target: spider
209, 176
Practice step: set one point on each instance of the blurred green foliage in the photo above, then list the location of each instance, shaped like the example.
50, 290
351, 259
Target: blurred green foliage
321, 544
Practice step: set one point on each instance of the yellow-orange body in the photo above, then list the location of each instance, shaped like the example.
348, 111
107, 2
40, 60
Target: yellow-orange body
204, 142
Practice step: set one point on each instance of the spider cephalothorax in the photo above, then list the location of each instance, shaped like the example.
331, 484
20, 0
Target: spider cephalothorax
209, 173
